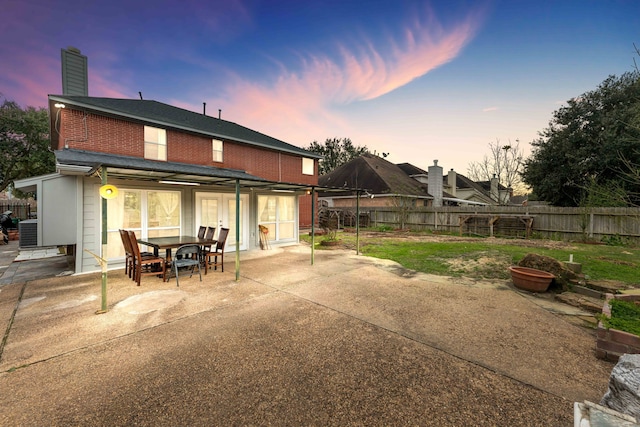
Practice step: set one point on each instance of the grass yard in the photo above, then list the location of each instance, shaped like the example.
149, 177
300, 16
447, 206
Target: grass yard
489, 258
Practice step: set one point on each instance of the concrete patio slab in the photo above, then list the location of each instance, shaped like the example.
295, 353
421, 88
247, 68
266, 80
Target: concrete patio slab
345, 341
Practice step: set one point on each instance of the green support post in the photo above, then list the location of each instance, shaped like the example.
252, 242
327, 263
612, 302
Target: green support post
103, 255
357, 222
313, 222
237, 230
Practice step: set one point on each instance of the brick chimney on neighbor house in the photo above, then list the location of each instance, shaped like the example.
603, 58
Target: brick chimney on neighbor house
451, 182
435, 183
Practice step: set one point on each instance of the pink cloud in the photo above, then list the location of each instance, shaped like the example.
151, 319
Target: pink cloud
31, 88
300, 103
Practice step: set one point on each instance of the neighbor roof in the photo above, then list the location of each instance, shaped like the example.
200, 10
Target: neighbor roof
164, 115
411, 170
374, 174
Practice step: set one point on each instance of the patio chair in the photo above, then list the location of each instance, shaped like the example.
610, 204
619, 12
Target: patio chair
187, 256
145, 265
206, 248
217, 252
201, 232
128, 253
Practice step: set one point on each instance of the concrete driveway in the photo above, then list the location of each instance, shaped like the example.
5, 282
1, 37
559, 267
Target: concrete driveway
350, 340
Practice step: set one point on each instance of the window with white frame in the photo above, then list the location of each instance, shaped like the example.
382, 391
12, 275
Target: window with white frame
149, 213
278, 214
308, 166
216, 146
155, 143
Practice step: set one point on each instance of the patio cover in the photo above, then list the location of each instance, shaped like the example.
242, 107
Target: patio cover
90, 163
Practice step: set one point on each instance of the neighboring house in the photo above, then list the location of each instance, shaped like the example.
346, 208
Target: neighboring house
461, 190
174, 170
385, 184
388, 184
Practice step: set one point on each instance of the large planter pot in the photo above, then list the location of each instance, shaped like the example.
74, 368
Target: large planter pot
530, 279
330, 242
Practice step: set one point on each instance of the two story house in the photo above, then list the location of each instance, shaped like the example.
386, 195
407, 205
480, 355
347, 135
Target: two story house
173, 169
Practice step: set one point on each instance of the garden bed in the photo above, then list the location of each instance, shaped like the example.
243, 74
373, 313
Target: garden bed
611, 342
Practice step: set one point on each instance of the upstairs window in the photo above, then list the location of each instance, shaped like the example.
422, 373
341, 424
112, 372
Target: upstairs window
155, 143
216, 146
308, 166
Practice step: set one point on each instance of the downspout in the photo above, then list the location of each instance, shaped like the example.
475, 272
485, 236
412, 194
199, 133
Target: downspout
237, 230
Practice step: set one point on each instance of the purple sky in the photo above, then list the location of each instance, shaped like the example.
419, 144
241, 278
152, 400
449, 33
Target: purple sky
419, 80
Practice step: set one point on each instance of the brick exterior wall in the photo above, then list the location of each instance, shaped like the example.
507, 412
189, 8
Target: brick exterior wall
116, 136
92, 132
612, 343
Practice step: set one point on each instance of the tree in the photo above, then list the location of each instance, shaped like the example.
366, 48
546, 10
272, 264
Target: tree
587, 143
24, 143
504, 162
336, 152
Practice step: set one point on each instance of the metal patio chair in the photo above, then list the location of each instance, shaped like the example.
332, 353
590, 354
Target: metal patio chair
186, 256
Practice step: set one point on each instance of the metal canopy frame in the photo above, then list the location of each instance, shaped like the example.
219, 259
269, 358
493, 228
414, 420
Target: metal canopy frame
133, 168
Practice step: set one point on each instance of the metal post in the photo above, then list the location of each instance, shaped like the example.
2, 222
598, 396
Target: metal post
237, 230
103, 254
313, 222
357, 222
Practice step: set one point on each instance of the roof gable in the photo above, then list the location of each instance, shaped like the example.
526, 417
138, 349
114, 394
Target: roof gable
164, 115
374, 174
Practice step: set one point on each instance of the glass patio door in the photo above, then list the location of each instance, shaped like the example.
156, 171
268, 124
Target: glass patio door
219, 210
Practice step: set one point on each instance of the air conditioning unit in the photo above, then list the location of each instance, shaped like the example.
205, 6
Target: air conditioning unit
28, 232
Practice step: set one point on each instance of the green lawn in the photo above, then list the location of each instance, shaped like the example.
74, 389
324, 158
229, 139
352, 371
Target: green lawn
485, 258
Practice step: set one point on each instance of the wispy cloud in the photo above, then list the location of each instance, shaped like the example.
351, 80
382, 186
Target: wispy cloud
302, 100
489, 109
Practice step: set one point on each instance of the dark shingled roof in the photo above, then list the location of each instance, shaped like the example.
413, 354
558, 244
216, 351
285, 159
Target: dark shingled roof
374, 174
411, 170
164, 115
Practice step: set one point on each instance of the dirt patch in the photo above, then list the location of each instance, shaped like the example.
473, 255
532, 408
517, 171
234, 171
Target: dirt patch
484, 264
410, 236
488, 264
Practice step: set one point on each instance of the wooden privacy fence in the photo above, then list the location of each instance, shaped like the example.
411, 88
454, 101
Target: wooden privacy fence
593, 224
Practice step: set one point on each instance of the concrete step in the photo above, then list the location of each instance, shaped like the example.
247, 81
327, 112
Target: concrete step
607, 286
587, 303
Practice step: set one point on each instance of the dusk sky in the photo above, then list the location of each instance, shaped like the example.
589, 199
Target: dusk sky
421, 80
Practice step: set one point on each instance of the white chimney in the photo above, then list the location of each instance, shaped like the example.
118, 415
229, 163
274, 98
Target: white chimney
451, 182
435, 183
495, 193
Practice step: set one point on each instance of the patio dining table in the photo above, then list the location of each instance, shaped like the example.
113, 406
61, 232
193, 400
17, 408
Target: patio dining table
170, 242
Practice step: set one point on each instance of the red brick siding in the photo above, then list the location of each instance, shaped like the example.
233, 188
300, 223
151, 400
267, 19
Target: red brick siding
103, 134
254, 161
186, 148
267, 164
304, 205
118, 136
